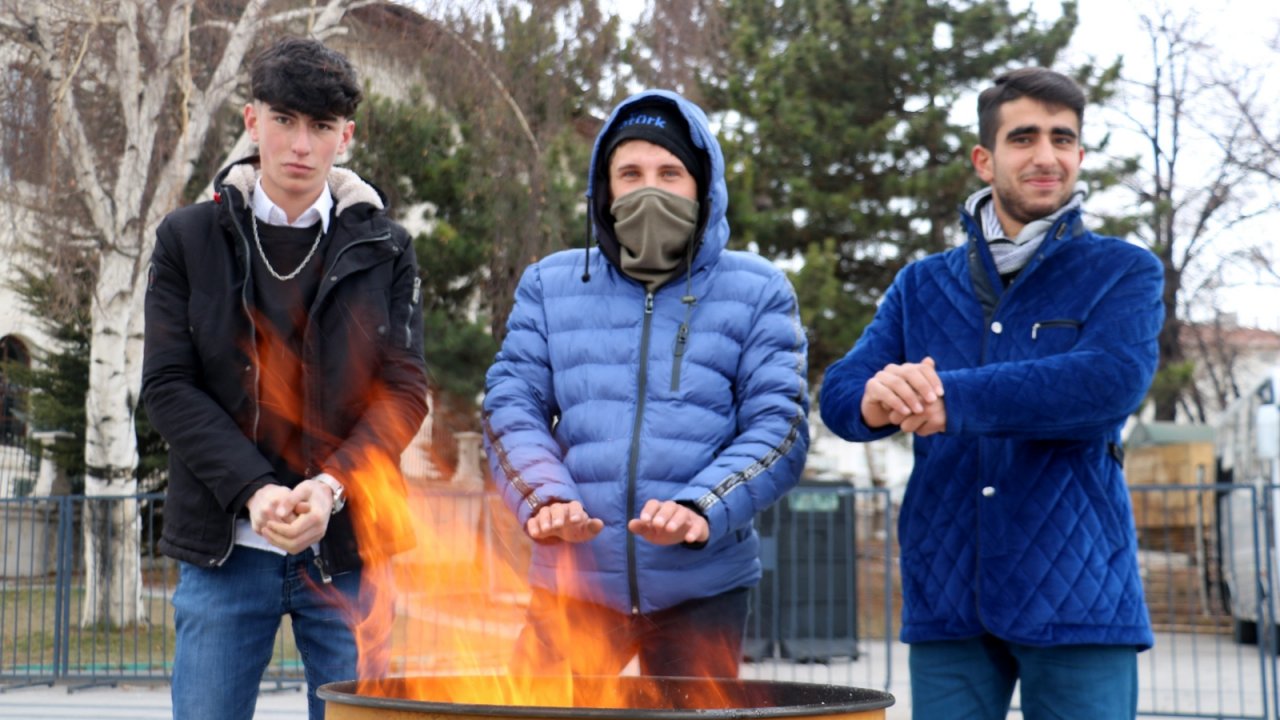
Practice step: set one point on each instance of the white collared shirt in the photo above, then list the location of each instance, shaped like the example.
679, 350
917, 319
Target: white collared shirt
268, 212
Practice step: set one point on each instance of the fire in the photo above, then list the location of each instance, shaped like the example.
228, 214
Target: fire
447, 613
438, 622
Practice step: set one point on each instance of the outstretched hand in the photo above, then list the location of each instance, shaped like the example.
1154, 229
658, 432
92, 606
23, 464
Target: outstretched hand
668, 523
566, 521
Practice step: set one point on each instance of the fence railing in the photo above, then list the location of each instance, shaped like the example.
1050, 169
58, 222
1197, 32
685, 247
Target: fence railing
47, 606
826, 610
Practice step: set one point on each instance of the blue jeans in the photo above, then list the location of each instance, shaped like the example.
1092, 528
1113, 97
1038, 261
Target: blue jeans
974, 679
698, 638
227, 618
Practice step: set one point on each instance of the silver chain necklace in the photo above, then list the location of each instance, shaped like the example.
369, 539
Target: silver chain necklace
283, 278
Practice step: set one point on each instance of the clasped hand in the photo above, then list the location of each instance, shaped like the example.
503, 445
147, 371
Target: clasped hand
660, 522
907, 395
292, 520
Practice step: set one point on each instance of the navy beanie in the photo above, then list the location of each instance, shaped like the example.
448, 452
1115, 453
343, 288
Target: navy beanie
659, 122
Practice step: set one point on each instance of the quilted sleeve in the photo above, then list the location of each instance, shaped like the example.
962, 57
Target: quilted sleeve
881, 343
519, 408
1078, 394
767, 456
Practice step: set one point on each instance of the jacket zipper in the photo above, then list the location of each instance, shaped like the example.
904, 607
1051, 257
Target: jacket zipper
248, 313
682, 341
633, 582
682, 337
253, 349
325, 288
408, 318
308, 408
333, 278
324, 574
1035, 329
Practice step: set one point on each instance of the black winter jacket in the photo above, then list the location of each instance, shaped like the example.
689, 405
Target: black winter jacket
365, 384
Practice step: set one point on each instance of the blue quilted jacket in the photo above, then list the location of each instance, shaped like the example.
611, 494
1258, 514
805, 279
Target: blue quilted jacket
596, 397
1016, 520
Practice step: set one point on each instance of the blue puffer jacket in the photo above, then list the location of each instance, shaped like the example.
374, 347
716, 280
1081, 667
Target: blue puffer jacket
1016, 519
593, 397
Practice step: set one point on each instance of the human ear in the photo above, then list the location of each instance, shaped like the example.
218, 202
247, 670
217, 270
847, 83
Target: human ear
982, 162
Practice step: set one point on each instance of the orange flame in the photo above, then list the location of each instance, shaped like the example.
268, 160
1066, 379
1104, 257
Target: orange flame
454, 604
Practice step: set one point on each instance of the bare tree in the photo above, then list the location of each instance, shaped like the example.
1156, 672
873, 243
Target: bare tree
133, 88
1251, 96
1194, 189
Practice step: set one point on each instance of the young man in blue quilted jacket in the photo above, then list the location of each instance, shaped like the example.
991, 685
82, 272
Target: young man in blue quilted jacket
1014, 360
648, 400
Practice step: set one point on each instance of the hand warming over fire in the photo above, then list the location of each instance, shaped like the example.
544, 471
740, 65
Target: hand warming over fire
567, 521
668, 523
292, 520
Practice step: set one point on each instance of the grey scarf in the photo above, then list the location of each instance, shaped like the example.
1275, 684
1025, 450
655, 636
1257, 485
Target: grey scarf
1013, 254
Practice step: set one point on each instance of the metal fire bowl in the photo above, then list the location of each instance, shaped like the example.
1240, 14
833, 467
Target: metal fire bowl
644, 699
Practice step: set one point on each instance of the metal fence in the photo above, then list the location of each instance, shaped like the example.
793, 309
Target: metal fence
46, 604
826, 610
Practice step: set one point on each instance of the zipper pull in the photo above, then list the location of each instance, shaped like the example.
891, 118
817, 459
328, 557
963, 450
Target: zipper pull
648, 303
681, 338
1034, 329
324, 575
417, 290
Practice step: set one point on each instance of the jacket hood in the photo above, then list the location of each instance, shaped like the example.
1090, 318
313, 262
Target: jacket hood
713, 228
348, 188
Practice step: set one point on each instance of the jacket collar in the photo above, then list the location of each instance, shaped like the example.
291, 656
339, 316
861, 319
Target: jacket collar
981, 267
349, 189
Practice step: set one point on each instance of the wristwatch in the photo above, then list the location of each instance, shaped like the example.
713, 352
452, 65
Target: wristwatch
339, 492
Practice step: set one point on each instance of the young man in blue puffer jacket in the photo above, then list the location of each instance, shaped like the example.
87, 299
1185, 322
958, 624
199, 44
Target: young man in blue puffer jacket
649, 399
1015, 361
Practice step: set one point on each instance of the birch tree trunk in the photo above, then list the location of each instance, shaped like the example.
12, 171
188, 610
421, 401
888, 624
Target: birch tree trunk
111, 527
115, 72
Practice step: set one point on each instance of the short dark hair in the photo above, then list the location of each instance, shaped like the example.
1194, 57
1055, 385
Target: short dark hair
1047, 86
303, 76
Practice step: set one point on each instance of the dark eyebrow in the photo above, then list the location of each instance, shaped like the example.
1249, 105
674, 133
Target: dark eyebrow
1058, 131
298, 114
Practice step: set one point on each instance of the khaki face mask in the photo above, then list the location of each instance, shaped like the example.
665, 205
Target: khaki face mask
654, 228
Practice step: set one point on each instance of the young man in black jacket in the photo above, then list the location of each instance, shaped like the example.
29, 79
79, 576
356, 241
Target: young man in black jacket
283, 353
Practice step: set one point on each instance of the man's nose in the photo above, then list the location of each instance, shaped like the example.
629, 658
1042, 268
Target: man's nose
1044, 153
302, 142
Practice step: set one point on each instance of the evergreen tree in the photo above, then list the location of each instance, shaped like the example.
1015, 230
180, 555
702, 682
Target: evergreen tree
492, 165
412, 151
58, 380
841, 139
